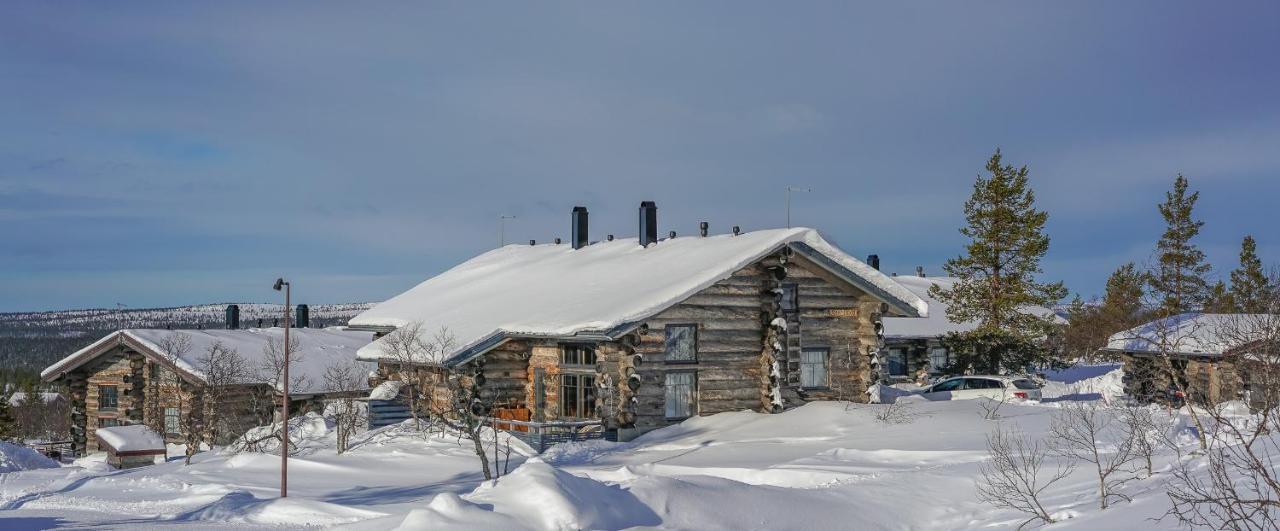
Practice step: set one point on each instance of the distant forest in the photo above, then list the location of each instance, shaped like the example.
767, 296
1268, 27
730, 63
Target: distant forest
31, 341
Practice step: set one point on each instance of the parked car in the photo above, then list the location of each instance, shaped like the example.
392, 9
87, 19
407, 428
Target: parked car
984, 386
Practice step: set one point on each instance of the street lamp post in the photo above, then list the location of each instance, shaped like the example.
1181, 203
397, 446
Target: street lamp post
284, 399
502, 229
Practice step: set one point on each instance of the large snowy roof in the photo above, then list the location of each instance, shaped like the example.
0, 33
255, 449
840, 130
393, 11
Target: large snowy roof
133, 438
556, 291
1208, 334
937, 324
316, 350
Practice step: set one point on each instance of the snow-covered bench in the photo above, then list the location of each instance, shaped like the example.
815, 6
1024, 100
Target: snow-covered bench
130, 446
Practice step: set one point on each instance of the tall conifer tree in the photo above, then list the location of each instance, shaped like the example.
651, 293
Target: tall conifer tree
997, 273
1251, 291
1179, 277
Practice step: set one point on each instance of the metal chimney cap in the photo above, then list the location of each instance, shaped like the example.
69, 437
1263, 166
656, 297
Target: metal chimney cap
736, 230
608, 238
557, 241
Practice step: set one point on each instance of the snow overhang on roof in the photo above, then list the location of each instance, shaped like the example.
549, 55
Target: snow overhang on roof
599, 292
1193, 334
317, 350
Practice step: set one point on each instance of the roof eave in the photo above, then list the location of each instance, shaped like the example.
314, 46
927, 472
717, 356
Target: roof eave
895, 303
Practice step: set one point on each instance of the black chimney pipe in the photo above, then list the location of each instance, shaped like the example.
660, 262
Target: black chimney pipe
303, 319
233, 316
579, 236
648, 223
873, 260
702, 228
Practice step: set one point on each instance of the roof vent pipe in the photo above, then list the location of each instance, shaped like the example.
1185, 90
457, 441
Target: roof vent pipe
873, 260
920, 271
233, 316
671, 234
533, 242
648, 223
702, 228
579, 236
736, 230
608, 238
303, 316
557, 240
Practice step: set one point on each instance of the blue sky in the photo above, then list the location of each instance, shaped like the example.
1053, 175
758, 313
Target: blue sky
172, 153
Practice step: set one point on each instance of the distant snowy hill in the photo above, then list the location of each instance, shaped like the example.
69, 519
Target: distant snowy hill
33, 340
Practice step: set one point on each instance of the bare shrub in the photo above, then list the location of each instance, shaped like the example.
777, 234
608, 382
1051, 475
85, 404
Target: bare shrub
1012, 477
896, 413
417, 359
991, 408
1084, 432
1146, 433
344, 378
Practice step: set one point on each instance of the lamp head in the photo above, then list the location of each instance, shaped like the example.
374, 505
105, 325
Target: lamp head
279, 284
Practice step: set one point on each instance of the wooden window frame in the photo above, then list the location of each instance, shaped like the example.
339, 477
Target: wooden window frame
795, 298
177, 421
826, 367
589, 347
115, 392
666, 351
581, 396
693, 394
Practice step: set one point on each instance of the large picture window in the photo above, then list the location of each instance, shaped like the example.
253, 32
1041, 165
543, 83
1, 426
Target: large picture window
682, 343
813, 368
681, 391
108, 400
577, 396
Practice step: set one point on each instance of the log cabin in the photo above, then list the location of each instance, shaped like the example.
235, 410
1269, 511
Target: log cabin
644, 332
160, 378
1209, 356
914, 350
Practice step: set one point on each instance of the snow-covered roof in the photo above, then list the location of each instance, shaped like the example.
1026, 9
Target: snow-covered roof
555, 291
20, 397
1206, 334
132, 438
936, 324
316, 350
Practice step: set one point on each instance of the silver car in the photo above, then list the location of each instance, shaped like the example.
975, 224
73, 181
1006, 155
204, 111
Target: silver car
984, 386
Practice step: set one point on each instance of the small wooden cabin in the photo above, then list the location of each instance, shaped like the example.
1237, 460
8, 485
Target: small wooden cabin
1198, 352
644, 332
157, 378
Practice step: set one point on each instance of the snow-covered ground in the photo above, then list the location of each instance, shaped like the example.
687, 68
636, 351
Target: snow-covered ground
822, 466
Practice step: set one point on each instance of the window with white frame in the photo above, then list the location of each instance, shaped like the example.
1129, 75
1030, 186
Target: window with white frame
813, 367
108, 398
681, 394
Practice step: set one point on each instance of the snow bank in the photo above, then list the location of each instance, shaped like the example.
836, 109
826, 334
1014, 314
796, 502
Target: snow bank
241, 507
1086, 382
308, 433
552, 499
14, 458
134, 438
387, 390
449, 512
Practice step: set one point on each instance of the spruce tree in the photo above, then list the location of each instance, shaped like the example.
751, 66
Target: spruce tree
997, 273
1179, 277
1122, 304
1250, 289
8, 425
1219, 299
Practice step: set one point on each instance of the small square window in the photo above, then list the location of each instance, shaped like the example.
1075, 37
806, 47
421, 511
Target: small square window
790, 298
813, 368
681, 394
682, 344
938, 359
108, 399
108, 422
171, 421
577, 355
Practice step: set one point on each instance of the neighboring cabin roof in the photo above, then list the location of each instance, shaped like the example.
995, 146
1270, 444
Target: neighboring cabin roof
1199, 334
318, 349
937, 324
597, 291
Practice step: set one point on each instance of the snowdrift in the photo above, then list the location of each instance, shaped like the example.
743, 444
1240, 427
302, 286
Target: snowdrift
14, 458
